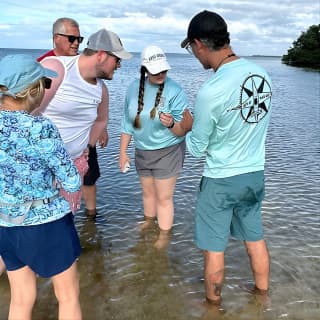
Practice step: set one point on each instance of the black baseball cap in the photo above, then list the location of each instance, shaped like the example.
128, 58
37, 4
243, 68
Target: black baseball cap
206, 25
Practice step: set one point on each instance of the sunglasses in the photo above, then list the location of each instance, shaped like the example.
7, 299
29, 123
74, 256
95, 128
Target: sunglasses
189, 47
71, 39
118, 60
47, 83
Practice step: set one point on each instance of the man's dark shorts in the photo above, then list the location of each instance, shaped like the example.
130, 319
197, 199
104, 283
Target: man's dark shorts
94, 171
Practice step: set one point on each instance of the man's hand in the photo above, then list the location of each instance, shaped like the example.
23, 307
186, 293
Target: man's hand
186, 121
103, 139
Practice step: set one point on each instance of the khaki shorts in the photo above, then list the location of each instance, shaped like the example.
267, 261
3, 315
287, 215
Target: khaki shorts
162, 163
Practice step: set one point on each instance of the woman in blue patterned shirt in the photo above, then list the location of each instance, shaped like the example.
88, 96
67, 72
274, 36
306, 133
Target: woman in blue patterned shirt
37, 232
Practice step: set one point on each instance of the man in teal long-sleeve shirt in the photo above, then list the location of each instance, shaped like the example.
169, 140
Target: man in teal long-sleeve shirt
231, 117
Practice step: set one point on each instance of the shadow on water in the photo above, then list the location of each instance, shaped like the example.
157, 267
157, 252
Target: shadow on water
124, 277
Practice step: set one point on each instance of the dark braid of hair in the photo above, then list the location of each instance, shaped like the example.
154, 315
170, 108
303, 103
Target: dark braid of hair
137, 122
158, 97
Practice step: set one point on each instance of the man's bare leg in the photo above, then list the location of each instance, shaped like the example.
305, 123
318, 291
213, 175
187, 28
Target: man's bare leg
90, 199
260, 264
213, 275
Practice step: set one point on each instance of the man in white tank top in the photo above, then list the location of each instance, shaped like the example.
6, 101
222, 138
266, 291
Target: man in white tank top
78, 101
66, 40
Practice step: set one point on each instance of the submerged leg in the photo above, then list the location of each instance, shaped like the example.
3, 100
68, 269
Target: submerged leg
163, 239
260, 264
213, 275
149, 201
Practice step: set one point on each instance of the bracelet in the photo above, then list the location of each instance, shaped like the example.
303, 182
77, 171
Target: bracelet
89, 146
171, 125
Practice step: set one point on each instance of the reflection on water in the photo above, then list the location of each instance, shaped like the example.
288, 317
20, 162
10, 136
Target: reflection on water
124, 277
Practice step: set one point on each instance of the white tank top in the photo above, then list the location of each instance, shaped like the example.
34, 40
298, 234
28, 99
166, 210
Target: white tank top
73, 109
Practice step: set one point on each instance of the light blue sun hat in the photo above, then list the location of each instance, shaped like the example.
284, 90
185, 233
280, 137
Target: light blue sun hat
19, 71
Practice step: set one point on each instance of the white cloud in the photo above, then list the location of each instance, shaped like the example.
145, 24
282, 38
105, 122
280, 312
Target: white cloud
255, 27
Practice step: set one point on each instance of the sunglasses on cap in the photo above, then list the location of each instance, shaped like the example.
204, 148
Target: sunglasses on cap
71, 39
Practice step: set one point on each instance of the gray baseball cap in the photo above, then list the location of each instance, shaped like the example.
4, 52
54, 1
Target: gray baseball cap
108, 41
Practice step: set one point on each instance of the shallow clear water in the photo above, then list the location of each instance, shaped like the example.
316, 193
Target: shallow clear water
123, 277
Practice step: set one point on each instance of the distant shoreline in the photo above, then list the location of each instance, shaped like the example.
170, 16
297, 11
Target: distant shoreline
138, 53
263, 56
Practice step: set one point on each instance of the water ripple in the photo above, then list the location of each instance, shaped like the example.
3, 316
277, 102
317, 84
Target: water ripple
123, 277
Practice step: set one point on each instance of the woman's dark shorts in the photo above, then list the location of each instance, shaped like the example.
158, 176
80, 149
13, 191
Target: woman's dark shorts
48, 249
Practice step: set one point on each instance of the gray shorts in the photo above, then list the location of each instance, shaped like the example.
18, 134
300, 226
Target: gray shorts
162, 163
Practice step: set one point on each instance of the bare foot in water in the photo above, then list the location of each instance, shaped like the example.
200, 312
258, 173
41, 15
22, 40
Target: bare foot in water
91, 213
208, 310
163, 239
261, 296
212, 311
148, 223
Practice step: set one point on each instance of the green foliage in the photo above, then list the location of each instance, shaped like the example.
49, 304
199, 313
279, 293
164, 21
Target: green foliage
306, 49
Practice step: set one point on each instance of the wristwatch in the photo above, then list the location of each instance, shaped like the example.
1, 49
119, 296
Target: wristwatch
90, 146
171, 125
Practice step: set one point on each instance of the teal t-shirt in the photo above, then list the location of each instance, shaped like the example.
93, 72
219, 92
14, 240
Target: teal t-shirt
231, 117
153, 134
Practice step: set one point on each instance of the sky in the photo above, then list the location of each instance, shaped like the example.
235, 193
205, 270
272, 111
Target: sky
256, 27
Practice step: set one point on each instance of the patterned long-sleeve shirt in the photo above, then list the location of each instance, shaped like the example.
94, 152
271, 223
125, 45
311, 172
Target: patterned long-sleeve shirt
33, 160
